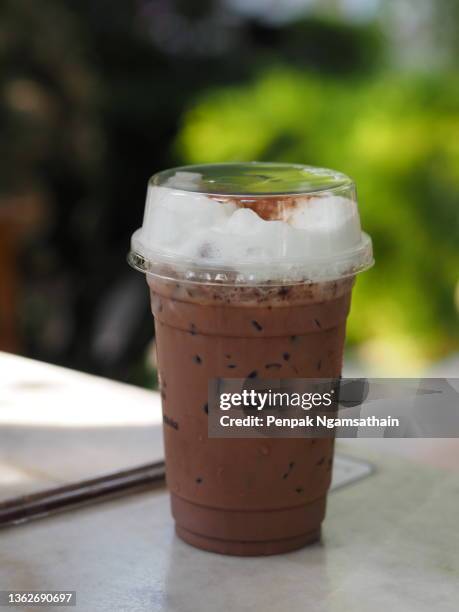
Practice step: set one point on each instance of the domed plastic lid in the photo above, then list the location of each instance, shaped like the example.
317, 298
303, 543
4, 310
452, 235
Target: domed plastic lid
257, 222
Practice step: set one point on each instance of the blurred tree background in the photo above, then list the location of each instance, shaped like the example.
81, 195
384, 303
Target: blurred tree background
97, 95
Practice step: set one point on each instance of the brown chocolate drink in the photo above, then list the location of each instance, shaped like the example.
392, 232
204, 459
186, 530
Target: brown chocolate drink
250, 268
244, 496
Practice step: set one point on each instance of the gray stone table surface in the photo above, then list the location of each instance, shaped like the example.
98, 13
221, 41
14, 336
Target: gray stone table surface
390, 543
59, 426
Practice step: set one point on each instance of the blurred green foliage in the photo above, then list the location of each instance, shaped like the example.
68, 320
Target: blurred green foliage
95, 96
398, 137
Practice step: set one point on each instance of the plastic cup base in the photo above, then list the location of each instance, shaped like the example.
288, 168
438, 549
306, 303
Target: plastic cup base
247, 549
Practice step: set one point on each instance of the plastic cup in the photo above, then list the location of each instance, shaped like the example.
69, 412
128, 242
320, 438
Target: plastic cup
250, 269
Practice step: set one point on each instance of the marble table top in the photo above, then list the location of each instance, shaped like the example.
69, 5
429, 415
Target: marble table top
390, 541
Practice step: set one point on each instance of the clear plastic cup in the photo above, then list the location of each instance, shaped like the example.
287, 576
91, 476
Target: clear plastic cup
249, 265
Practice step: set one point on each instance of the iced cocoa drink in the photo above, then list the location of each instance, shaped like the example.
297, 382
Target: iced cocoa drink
250, 269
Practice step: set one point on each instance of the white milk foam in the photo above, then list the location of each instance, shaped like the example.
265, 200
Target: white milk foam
313, 237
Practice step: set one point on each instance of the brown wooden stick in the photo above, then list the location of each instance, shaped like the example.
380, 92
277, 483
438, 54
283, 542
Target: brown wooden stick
37, 505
